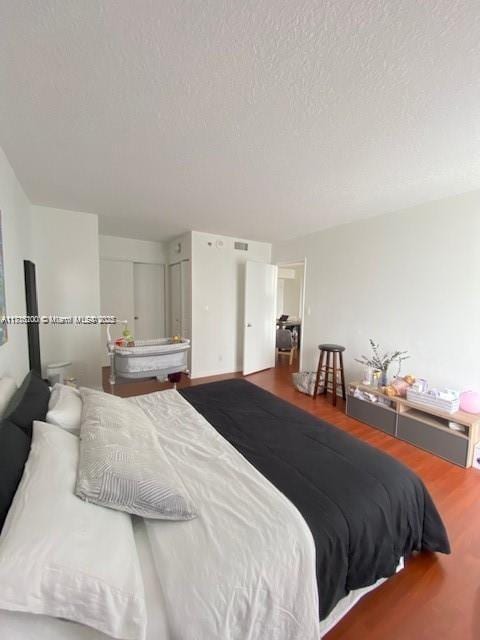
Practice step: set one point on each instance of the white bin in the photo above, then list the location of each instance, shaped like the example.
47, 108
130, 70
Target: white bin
57, 372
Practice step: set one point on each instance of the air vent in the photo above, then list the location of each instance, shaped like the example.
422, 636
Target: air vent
241, 246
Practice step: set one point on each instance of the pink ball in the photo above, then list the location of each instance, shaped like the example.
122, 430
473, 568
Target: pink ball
470, 401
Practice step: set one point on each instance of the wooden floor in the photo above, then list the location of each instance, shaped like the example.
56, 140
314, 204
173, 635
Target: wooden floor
435, 597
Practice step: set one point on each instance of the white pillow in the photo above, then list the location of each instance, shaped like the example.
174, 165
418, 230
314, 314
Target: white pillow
65, 408
62, 557
8, 387
122, 465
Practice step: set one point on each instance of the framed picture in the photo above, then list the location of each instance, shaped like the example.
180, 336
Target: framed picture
3, 310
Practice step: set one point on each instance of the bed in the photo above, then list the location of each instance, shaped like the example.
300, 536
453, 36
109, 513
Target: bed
296, 521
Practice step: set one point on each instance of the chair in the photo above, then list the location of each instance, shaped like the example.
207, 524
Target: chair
335, 352
285, 344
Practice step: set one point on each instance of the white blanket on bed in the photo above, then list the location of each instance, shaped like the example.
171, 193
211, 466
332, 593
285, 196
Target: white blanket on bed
245, 568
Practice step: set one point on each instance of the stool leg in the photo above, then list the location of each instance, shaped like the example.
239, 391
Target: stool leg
334, 384
321, 358
327, 373
342, 375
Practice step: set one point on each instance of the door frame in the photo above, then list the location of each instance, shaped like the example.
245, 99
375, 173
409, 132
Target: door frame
284, 264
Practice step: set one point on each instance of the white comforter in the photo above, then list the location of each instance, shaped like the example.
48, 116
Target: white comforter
245, 568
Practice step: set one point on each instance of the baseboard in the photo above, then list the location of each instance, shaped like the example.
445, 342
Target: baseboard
210, 374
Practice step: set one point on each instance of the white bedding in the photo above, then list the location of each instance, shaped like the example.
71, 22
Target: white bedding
27, 626
243, 570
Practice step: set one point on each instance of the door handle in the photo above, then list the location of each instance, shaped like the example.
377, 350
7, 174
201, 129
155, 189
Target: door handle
248, 324
135, 317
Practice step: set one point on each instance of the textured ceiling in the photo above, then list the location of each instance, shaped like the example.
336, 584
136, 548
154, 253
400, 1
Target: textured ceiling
265, 119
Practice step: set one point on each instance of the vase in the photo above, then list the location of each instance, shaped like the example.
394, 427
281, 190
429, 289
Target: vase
368, 376
383, 379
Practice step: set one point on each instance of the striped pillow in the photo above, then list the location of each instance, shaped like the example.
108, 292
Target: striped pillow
122, 465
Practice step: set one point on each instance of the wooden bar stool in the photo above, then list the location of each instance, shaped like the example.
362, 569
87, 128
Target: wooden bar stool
333, 352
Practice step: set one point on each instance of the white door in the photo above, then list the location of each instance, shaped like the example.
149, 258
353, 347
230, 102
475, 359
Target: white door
149, 299
175, 289
186, 286
260, 317
116, 298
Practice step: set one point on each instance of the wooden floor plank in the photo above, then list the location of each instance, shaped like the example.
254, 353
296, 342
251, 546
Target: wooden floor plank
435, 597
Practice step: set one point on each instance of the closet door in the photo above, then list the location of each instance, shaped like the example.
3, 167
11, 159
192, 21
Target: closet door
175, 289
149, 299
116, 298
186, 295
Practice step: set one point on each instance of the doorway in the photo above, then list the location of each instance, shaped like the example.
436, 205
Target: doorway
290, 314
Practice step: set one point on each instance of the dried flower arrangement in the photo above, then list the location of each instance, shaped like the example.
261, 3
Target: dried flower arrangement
382, 361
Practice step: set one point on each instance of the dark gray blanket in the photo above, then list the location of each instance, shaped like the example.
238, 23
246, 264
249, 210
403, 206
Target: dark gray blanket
364, 508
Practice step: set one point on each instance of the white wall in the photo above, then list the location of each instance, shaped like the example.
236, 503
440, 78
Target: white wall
113, 248
15, 212
410, 280
64, 247
280, 292
179, 248
65, 250
291, 291
218, 275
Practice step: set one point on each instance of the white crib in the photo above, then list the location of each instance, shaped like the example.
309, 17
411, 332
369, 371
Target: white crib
147, 358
